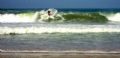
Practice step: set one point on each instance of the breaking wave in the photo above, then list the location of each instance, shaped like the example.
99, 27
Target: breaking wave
114, 17
60, 28
14, 18
78, 17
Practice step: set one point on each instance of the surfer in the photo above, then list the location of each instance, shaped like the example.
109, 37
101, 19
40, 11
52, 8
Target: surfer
49, 13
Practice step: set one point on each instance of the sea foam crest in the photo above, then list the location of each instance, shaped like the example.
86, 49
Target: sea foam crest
42, 16
114, 17
38, 16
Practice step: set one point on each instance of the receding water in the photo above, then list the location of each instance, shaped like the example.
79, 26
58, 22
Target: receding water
62, 41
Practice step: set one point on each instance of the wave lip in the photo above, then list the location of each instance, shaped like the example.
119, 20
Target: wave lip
114, 17
43, 17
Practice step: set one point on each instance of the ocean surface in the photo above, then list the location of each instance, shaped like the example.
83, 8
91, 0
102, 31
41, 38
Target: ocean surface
75, 30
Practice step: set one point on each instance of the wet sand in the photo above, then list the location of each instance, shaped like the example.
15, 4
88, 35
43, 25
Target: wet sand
58, 55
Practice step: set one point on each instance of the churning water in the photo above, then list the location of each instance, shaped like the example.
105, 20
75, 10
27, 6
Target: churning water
89, 32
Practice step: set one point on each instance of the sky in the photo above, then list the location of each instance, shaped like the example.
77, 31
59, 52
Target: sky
59, 3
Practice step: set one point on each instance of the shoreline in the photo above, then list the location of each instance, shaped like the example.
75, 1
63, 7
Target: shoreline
61, 52
65, 55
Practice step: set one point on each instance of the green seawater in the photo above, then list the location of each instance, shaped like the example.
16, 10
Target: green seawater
73, 16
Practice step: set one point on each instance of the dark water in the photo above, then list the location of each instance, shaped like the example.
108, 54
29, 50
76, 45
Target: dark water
62, 41
61, 10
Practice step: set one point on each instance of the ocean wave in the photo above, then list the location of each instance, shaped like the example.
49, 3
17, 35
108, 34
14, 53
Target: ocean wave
86, 17
114, 17
77, 17
13, 18
58, 29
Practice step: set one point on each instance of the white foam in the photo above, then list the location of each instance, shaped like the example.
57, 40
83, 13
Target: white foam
114, 17
38, 16
60, 52
59, 29
12, 18
42, 15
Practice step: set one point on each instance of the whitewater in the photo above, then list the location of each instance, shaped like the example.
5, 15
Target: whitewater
54, 28
32, 17
38, 22
34, 32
